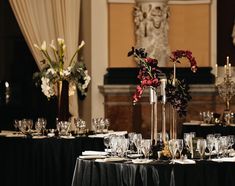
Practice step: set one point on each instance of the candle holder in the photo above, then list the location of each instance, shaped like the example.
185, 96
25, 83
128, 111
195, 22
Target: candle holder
226, 90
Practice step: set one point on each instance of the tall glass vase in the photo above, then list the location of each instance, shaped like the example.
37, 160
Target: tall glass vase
173, 124
63, 101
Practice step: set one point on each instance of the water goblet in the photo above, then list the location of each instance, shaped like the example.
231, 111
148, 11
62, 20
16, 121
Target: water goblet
145, 147
180, 146
173, 148
201, 147
137, 141
107, 142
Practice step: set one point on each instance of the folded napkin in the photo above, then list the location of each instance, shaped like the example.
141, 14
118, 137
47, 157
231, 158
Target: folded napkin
224, 159
207, 124
107, 134
141, 161
111, 159
39, 137
86, 157
94, 153
185, 161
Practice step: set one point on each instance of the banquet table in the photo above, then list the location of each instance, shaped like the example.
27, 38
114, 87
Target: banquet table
42, 162
157, 173
203, 130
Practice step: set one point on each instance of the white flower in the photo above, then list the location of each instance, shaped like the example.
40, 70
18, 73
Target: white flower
51, 70
81, 45
47, 90
60, 41
36, 46
87, 79
44, 46
67, 71
53, 46
64, 47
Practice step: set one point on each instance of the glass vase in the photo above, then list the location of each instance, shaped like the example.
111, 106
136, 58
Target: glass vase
63, 101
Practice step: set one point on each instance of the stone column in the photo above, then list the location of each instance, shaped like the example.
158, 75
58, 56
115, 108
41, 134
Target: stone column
151, 28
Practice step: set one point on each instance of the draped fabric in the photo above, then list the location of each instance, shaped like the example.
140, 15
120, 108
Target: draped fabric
48, 20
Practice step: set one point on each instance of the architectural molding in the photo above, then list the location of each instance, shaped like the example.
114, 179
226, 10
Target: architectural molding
170, 1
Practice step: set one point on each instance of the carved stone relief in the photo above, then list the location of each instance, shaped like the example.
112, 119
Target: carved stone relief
151, 28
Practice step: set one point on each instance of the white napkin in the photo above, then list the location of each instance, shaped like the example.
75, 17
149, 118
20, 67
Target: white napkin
110, 159
141, 161
92, 157
224, 159
185, 161
107, 134
94, 153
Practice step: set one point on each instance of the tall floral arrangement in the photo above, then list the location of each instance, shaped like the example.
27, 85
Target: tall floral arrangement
54, 69
177, 91
148, 72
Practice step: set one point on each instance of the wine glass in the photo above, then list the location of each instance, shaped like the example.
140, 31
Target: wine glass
131, 141
173, 148
137, 141
145, 147
107, 142
201, 146
180, 146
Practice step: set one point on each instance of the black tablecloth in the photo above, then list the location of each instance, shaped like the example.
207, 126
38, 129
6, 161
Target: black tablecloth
202, 131
41, 162
203, 173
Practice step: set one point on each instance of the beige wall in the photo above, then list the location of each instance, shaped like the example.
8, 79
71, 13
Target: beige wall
189, 29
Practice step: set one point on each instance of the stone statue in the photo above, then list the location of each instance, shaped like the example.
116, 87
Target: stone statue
151, 28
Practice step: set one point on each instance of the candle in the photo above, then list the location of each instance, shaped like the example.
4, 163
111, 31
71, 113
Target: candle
225, 69
227, 60
229, 70
216, 70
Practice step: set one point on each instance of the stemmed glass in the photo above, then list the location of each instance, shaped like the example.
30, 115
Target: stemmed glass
201, 146
173, 148
188, 139
107, 142
180, 146
137, 141
145, 147
131, 141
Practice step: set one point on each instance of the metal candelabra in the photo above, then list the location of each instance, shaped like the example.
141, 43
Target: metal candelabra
226, 90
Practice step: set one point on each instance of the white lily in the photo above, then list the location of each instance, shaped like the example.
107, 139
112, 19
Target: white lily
81, 45
60, 41
53, 46
44, 46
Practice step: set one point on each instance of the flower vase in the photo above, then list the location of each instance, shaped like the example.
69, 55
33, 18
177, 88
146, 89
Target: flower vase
63, 101
173, 125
